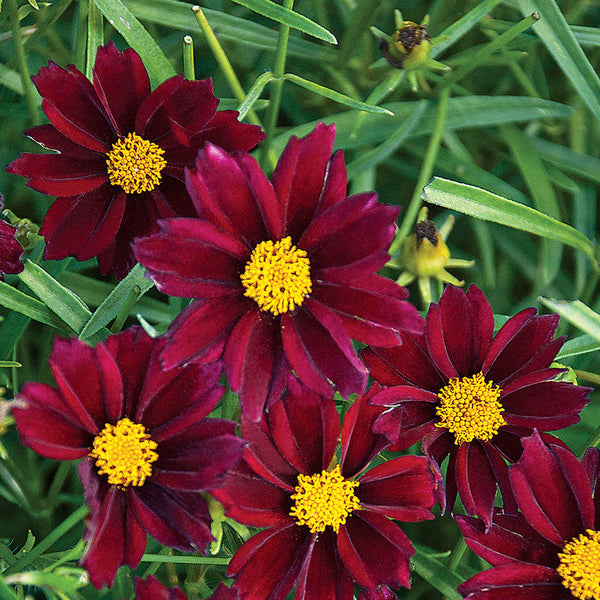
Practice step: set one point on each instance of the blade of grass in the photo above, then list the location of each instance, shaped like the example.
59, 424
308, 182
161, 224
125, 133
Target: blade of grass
95, 37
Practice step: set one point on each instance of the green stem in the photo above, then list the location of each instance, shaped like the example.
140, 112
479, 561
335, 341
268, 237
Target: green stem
457, 553
276, 87
185, 560
223, 61
28, 89
95, 37
426, 171
63, 471
48, 541
587, 376
189, 71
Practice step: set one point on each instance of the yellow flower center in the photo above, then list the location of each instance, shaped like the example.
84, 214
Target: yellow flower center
324, 499
580, 566
277, 276
124, 452
135, 164
469, 408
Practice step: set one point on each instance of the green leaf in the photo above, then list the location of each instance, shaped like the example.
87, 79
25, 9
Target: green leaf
435, 572
586, 36
255, 91
5, 592
178, 15
185, 560
9, 363
582, 344
11, 79
135, 34
490, 207
114, 302
554, 31
13, 299
288, 17
577, 313
336, 96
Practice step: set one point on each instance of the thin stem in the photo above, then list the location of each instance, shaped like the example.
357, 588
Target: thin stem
28, 89
189, 71
223, 61
426, 171
276, 87
587, 376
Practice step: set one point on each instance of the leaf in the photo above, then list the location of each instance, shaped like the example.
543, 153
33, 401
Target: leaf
288, 17
135, 34
115, 301
554, 31
336, 96
582, 344
490, 207
255, 91
586, 36
435, 572
11, 79
178, 15
577, 313
568, 160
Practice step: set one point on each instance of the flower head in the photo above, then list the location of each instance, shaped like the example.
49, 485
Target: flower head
328, 523
283, 272
152, 589
122, 150
551, 549
147, 447
472, 395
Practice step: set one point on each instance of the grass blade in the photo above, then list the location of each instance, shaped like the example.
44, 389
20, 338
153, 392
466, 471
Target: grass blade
577, 313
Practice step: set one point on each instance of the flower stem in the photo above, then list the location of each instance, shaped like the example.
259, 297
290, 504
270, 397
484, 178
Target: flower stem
426, 171
188, 58
276, 87
28, 89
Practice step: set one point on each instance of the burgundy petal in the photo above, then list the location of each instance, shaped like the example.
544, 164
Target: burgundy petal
121, 82
10, 250
116, 539
334, 187
268, 564
359, 442
375, 550
320, 352
299, 175
151, 589
591, 464
515, 581
552, 490
401, 488
73, 107
226, 131
151, 121
50, 138
483, 325
509, 539
200, 330
373, 309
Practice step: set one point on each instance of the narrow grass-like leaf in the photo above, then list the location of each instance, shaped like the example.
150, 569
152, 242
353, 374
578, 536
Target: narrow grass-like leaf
577, 313
435, 572
374, 157
185, 560
135, 34
554, 31
336, 96
10, 79
254, 93
9, 364
177, 15
5, 592
289, 17
582, 344
114, 302
95, 37
587, 36
16, 300
490, 207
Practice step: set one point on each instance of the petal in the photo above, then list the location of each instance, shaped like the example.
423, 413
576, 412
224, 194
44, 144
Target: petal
192, 259
335, 185
151, 121
373, 309
552, 490
226, 131
509, 539
267, 565
375, 550
401, 488
73, 107
359, 443
591, 464
121, 82
151, 589
116, 539
320, 352
201, 329
59, 175
299, 176
50, 138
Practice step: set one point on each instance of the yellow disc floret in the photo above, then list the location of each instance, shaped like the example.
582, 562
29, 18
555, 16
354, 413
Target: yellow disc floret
324, 499
580, 566
469, 408
277, 276
124, 452
135, 164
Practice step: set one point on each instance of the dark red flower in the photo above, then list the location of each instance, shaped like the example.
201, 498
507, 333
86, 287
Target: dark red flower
122, 152
327, 524
152, 589
551, 549
147, 445
283, 272
474, 395
10, 250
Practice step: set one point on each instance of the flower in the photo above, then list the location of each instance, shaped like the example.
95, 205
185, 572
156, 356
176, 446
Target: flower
327, 524
473, 396
122, 152
551, 549
10, 250
147, 447
152, 589
283, 272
